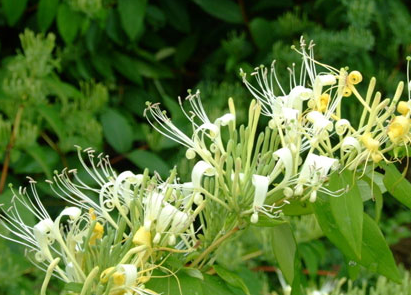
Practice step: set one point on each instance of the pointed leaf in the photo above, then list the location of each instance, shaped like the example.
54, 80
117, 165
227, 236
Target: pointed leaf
375, 252
397, 185
231, 278
285, 250
117, 130
68, 22
46, 12
145, 159
13, 10
226, 10
132, 16
347, 209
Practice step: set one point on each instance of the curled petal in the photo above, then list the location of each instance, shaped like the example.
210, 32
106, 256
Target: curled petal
319, 121
224, 120
341, 126
201, 168
213, 129
350, 144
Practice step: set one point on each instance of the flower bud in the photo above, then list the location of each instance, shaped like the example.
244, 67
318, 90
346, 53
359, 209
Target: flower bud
354, 77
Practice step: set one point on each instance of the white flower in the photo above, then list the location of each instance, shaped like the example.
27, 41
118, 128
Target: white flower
260, 193
200, 169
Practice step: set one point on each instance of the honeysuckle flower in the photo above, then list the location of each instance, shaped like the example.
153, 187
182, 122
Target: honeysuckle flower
179, 223
164, 219
399, 128
200, 169
314, 172
260, 193
350, 144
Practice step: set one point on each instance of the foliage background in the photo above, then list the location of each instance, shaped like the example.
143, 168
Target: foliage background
82, 70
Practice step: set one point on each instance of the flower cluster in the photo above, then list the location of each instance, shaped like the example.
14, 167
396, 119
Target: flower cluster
121, 228
307, 137
114, 234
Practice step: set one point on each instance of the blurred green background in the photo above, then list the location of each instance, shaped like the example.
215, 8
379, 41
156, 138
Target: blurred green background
78, 72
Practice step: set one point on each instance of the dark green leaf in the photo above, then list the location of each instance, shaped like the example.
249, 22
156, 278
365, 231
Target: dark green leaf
177, 14
185, 49
93, 37
52, 116
285, 249
102, 64
14, 10
68, 22
133, 68
132, 16
397, 185
261, 32
113, 27
46, 12
347, 209
42, 157
231, 278
117, 130
145, 159
226, 10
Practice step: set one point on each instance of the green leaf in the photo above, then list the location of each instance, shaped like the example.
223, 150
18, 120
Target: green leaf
262, 33
397, 185
225, 10
113, 27
145, 159
265, 221
102, 64
231, 278
39, 154
297, 208
73, 287
185, 49
285, 249
347, 209
127, 67
177, 14
376, 254
46, 12
117, 130
182, 283
68, 23
14, 10
52, 116
132, 16
134, 69
215, 286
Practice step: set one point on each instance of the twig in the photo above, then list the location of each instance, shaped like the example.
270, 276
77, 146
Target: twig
55, 147
213, 246
9, 147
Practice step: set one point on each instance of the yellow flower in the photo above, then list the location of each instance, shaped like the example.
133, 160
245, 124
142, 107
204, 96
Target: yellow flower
398, 128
